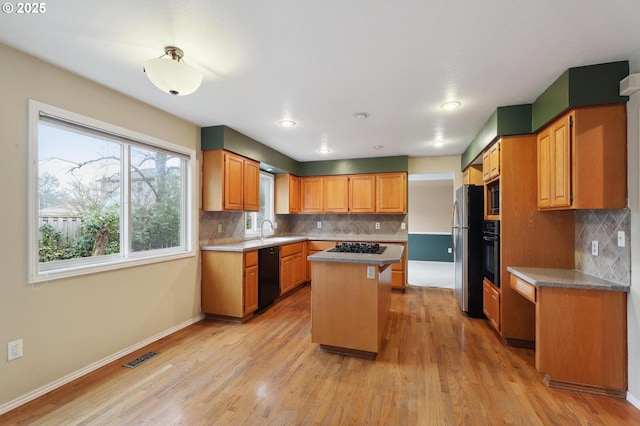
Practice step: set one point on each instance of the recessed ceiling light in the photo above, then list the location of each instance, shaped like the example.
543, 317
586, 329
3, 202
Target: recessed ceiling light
438, 144
324, 150
287, 123
451, 105
378, 147
361, 115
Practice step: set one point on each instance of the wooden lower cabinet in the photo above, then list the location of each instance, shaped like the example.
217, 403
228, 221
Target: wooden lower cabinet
399, 272
292, 267
229, 284
314, 247
581, 337
491, 304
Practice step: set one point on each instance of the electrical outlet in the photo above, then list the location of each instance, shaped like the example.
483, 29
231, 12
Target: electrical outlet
403, 225
14, 350
621, 239
275, 225
377, 225
449, 250
319, 224
594, 248
219, 227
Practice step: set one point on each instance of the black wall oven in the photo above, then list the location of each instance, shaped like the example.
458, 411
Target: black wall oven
491, 251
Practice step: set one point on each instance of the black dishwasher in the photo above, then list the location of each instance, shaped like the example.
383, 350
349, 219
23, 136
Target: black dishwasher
268, 276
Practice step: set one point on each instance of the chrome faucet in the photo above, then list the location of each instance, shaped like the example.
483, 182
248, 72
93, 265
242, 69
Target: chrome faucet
262, 226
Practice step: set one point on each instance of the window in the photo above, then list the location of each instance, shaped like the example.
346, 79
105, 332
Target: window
103, 197
253, 220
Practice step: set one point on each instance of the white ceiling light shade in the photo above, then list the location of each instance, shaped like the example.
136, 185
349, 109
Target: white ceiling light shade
451, 105
171, 75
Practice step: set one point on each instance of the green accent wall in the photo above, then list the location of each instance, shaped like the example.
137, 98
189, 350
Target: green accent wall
430, 247
223, 137
355, 166
580, 86
505, 121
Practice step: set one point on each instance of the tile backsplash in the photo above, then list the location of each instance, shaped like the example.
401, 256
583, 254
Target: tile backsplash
339, 226
613, 263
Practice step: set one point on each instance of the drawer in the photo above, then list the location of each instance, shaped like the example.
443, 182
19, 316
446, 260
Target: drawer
321, 245
289, 249
250, 258
526, 289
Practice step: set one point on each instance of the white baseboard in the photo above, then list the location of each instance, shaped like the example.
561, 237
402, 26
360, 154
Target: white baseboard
633, 400
92, 367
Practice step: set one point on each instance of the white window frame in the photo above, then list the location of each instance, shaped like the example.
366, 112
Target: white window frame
269, 209
128, 258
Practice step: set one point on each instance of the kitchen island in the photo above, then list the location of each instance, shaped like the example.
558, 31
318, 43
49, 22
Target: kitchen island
351, 299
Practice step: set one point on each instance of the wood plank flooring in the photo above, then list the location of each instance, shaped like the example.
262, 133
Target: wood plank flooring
437, 367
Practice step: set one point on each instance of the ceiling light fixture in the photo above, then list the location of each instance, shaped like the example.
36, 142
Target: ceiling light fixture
451, 105
361, 115
287, 123
171, 75
324, 150
378, 147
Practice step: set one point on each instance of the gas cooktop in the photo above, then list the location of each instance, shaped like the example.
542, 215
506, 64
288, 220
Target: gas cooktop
359, 248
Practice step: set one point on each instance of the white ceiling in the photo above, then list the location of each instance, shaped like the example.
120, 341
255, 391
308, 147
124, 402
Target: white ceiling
320, 62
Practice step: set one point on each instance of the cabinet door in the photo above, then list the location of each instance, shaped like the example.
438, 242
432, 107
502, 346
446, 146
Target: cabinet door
486, 167
286, 274
391, 193
494, 160
491, 304
251, 185
561, 162
294, 194
297, 270
544, 169
250, 293
398, 272
336, 194
233, 182
362, 193
311, 190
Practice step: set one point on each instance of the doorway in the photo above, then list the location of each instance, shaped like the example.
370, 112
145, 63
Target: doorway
430, 252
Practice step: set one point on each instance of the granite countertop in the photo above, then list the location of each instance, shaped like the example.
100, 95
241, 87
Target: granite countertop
567, 278
393, 254
278, 241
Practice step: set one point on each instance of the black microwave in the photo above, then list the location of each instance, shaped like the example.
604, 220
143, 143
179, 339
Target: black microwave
493, 198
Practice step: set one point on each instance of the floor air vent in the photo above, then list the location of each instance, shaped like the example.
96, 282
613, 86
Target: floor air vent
142, 358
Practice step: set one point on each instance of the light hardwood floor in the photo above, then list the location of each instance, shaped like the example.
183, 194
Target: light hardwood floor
436, 367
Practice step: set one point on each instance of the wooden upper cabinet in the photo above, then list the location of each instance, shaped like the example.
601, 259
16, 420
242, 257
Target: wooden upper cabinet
336, 194
582, 160
362, 193
391, 193
229, 182
491, 162
287, 194
554, 164
251, 185
473, 175
312, 194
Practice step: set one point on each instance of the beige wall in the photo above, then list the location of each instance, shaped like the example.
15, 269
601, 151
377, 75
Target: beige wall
437, 165
430, 206
69, 324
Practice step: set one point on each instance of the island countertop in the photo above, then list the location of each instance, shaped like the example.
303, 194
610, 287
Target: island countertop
256, 244
392, 254
566, 278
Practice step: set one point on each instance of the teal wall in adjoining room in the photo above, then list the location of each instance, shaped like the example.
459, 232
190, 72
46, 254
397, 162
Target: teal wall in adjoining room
430, 247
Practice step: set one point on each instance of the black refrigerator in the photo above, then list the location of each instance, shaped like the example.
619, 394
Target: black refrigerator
466, 230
